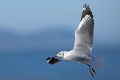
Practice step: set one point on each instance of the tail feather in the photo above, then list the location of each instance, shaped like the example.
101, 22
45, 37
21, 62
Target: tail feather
97, 62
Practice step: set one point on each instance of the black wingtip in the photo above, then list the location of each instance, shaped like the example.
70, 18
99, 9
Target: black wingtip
85, 6
86, 11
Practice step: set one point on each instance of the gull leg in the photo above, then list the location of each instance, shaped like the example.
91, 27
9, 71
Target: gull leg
92, 71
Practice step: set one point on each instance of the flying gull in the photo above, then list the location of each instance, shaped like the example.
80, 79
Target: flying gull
83, 44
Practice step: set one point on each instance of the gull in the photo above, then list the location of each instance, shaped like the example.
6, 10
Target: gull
83, 43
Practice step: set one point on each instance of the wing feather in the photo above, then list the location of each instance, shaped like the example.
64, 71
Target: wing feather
84, 32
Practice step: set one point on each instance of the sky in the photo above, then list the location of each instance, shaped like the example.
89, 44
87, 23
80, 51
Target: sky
28, 28
27, 16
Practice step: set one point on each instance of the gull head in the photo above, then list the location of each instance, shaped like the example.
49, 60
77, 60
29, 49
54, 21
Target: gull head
60, 54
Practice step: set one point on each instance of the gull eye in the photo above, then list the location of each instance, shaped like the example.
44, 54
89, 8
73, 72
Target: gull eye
59, 53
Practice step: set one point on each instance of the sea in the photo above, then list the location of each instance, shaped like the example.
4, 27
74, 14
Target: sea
30, 64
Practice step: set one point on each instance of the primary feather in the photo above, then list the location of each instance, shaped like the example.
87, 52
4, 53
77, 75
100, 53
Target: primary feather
84, 32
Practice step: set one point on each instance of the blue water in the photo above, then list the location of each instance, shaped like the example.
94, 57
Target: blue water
31, 65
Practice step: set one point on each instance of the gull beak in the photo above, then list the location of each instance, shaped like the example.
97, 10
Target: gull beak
55, 56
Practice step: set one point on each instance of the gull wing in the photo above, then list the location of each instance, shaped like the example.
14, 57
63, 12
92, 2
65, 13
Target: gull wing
84, 32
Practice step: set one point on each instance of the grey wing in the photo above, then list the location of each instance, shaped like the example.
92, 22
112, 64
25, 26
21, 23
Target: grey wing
84, 32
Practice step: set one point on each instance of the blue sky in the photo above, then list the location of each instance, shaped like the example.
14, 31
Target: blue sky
27, 16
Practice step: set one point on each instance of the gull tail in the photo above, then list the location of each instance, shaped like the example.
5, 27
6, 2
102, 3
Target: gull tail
96, 62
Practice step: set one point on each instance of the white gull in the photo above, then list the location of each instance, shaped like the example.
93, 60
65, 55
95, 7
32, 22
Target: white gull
83, 44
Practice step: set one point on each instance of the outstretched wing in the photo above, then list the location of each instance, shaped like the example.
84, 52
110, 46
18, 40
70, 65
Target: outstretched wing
84, 32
